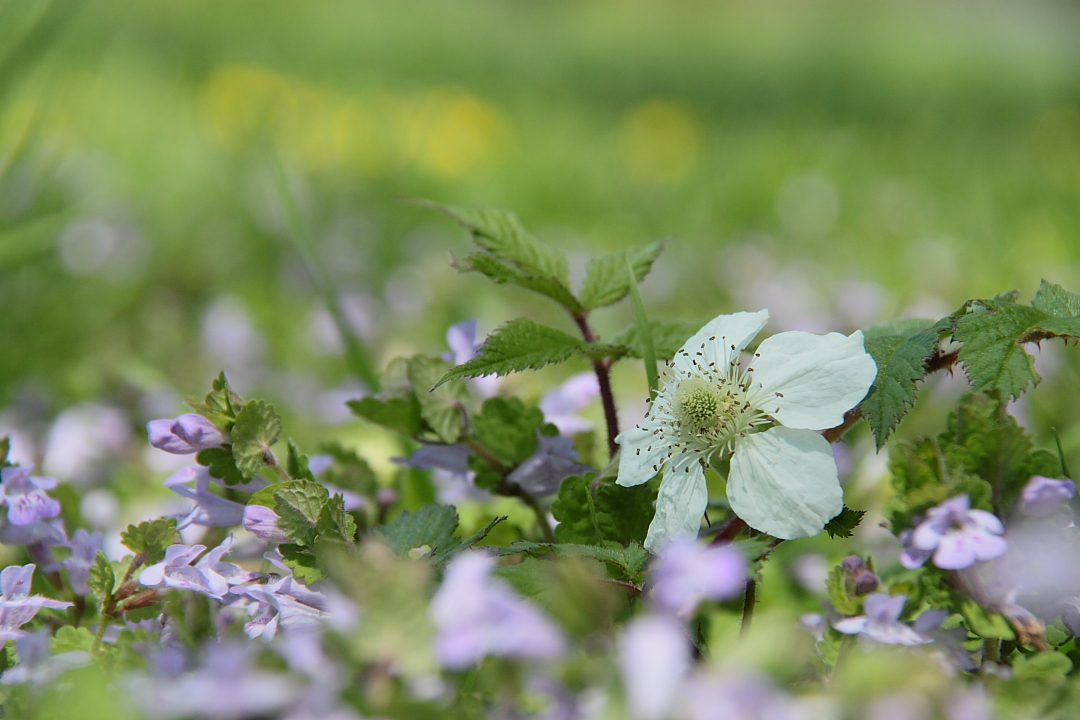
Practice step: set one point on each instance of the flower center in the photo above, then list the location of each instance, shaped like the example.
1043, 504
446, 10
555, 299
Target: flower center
699, 404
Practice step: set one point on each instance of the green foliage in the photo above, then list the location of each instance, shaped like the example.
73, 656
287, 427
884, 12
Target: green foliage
5, 450
441, 401
69, 638
667, 337
836, 587
629, 561
349, 471
507, 428
150, 538
641, 322
256, 429
431, 527
402, 415
985, 624
220, 405
606, 278
299, 504
302, 562
983, 453
334, 524
615, 514
518, 345
843, 524
901, 362
296, 464
102, 579
1056, 300
511, 254
221, 464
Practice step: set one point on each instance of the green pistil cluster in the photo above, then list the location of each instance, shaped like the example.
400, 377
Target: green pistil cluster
700, 406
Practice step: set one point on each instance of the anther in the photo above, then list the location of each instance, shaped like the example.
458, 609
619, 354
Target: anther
779, 394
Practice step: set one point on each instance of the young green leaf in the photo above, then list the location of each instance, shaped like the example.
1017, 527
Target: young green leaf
901, 362
440, 400
606, 280
1056, 300
502, 274
507, 428
430, 525
836, 588
842, 525
257, 428
102, 579
518, 345
301, 561
221, 464
299, 505
401, 415
296, 464
150, 538
334, 524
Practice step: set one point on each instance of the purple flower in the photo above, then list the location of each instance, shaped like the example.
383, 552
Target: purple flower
1043, 495
687, 572
210, 509
737, 696
561, 405
209, 576
956, 536
282, 605
36, 666
654, 661
450, 472
882, 621
262, 522
186, 434
17, 605
477, 615
860, 578
554, 460
25, 496
84, 546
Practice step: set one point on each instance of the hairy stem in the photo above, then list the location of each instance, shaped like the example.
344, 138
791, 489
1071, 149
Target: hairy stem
603, 378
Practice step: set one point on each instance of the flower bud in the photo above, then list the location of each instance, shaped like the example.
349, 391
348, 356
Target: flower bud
262, 522
186, 434
1043, 495
861, 580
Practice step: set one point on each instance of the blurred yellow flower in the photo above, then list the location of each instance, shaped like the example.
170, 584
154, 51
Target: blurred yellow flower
448, 132
660, 141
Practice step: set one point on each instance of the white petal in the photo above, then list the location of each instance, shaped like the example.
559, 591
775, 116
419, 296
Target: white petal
681, 502
643, 454
809, 381
728, 330
783, 482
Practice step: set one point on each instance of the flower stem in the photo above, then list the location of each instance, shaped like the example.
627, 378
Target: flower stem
513, 489
603, 379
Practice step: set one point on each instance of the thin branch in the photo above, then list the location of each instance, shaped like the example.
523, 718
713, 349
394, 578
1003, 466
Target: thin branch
603, 378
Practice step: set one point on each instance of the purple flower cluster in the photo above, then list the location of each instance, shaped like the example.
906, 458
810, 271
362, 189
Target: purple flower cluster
17, 605
954, 535
24, 495
186, 434
209, 575
882, 621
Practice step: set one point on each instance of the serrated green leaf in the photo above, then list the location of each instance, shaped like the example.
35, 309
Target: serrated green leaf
299, 505
334, 524
431, 525
69, 638
301, 561
401, 415
296, 464
901, 362
614, 514
838, 594
441, 401
629, 560
101, 579
606, 280
1056, 300
518, 345
257, 428
667, 337
507, 428
150, 538
576, 512
221, 464
504, 274
220, 404
843, 524
905, 327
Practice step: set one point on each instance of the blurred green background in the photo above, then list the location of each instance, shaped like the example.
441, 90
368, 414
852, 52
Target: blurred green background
837, 162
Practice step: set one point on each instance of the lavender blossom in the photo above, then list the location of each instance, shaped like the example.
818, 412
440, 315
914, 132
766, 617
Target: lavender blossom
1043, 495
957, 536
25, 496
262, 522
654, 661
882, 621
561, 405
736, 697
477, 615
209, 576
554, 460
282, 605
687, 572
186, 434
210, 509
17, 605
84, 546
450, 472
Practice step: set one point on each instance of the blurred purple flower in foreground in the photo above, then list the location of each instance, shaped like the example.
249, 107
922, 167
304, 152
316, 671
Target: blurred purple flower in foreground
186, 434
24, 494
737, 697
209, 576
687, 572
461, 337
210, 509
554, 460
17, 605
654, 661
882, 621
84, 546
477, 615
36, 666
283, 605
1043, 495
955, 535
560, 405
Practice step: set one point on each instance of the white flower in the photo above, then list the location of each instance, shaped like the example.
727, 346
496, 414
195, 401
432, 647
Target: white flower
783, 477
